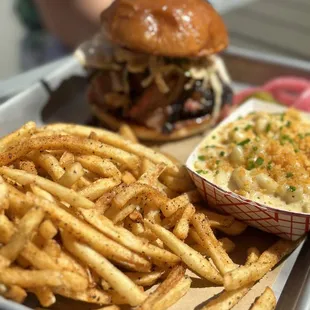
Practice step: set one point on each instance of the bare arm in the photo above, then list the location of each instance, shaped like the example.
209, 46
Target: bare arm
72, 21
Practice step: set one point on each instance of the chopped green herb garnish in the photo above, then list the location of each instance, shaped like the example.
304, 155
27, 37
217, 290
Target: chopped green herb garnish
282, 117
202, 171
248, 127
217, 162
292, 188
301, 136
307, 134
236, 128
288, 124
222, 154
217, 172
255, 148
268, 127
213, 137
269, 166
289, 174
210, 146
244, 142
202, 157
250, 165
286, 138
259, 161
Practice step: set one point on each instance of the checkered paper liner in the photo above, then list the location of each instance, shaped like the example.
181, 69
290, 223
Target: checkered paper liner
285, 224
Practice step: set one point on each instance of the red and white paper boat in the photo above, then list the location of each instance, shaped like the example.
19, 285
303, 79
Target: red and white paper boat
285, 224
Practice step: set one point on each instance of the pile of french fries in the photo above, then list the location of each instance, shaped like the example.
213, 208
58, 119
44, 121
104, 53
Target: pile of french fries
96, 217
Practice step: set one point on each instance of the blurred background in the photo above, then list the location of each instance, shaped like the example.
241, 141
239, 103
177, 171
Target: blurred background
279, 27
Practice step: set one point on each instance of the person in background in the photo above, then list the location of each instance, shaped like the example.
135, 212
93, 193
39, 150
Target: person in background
56, 27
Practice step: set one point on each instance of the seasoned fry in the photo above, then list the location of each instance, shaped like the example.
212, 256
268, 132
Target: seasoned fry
38, 278
17, 136
143, 278
182, 201
27, 166
126, 132
174, 294
228, 299
267, 301
66, 159
128, 178
116, 215
118, 280
73, 173
68, 195
48, 230
91, 295
235, 229
4, 195
25, 228
103, 167
86, 233
219, 256
117, 141
217, 220
87, 147
45, 296
98, 188
175, 275
49, 163
182, 226
110, 308
14, 293
190, 257
247, 274
226, 243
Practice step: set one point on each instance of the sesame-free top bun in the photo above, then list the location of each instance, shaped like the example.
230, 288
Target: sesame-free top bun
173, 28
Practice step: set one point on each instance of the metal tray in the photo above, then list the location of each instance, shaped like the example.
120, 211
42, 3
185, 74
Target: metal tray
60, 96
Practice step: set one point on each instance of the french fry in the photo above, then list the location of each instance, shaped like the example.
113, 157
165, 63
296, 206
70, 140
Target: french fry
247, 274
128, 178
144, 278
14, 293
178, 184
174, 294
49, 163
118, 280
45, 296
116, 215
267, 301
85, 147
4, 195
68, 195
182, 201
66, 159
39, 278
86, 233
48, 230
27, 166
220, 258
181, 228
74, 172
228, 299
90, 295
110, 308
126, 132
123, 236
19, 135
103, 167
170, 222
117, 141
42, 193
190, 257
175, 275
217, 220
26, 226
235, 229
226, 243
98, 188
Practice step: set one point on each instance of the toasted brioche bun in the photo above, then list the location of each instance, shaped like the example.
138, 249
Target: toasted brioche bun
183, 129
174, 28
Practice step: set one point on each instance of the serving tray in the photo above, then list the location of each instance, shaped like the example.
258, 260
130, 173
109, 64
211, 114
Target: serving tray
60, 97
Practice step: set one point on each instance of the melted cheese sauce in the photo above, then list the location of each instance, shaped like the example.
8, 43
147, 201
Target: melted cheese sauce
263, 157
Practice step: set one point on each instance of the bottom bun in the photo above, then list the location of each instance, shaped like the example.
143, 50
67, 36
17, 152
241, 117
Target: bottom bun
183, 129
